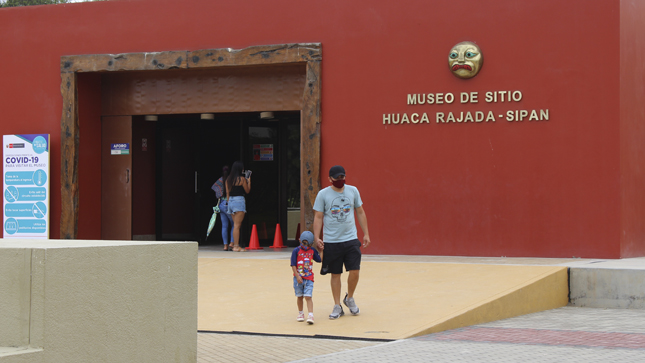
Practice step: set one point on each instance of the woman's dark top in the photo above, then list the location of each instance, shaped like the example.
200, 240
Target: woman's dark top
237, 191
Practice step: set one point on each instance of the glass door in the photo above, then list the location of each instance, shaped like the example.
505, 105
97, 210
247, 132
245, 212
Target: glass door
272, 153
262, 158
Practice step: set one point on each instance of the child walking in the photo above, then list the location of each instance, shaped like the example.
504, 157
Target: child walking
302, 259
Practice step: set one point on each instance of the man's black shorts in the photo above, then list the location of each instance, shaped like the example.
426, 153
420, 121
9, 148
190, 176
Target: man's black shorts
335, 255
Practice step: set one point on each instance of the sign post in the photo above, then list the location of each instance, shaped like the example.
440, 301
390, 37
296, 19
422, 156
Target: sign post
26, 186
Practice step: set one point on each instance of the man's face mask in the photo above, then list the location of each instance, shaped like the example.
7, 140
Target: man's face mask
338, 183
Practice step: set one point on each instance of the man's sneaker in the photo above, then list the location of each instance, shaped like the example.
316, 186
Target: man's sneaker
349, 302
337, 312
301, 317
310, 319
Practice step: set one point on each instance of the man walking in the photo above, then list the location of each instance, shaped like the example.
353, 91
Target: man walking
334, 210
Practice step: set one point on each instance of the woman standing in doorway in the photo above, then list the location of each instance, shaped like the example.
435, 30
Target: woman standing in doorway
227, 220
237, 186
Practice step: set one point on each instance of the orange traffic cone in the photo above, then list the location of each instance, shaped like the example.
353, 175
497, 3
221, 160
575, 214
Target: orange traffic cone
254, 244
277, 240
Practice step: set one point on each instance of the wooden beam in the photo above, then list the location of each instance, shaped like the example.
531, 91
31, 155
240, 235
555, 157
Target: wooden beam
310, 146
124, 62
264, 54
69, 135
206, 58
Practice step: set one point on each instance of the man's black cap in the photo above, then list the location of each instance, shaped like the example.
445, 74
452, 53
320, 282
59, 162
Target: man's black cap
336, 171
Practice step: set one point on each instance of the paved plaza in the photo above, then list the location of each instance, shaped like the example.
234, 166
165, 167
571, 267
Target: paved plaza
568, 334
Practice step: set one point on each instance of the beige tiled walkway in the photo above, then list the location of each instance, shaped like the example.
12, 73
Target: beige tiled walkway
221, 348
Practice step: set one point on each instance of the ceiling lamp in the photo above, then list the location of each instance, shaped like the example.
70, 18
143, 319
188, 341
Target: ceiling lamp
266, 115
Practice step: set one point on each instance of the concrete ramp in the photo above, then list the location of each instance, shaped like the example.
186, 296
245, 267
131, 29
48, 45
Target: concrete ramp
397, 299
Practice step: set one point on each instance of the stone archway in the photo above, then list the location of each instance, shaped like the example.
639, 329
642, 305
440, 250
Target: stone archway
309, 54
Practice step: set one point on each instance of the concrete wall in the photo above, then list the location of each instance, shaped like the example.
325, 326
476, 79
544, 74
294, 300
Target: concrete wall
98, 301
14, 297
607, 288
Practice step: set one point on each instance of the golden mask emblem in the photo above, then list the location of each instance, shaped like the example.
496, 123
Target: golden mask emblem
465, 60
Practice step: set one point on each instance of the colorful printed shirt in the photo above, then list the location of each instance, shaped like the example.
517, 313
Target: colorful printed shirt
302, 259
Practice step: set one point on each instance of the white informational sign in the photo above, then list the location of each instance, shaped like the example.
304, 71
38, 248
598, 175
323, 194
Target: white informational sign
26, 186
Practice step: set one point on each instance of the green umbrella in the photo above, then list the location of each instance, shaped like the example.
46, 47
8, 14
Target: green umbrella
211, 224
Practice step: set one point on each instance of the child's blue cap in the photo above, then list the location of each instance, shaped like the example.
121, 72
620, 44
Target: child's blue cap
307, 238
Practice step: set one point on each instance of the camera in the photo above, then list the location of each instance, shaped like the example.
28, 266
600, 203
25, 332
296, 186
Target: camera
247, 173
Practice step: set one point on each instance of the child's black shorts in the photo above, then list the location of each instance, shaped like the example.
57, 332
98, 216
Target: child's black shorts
335, 255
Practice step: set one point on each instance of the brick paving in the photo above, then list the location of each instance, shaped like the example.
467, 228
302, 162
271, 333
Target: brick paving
242, 348
561, 335
414, 351
542, 337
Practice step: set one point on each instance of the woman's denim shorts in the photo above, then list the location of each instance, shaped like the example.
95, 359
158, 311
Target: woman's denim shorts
236, 204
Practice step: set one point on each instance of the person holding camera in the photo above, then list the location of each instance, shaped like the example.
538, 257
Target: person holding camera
238, 184
334, 210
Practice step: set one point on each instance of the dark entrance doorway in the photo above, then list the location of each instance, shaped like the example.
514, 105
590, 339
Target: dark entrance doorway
189, 153
278, 77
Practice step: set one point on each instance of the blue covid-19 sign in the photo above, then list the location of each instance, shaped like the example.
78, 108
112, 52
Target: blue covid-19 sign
26, 186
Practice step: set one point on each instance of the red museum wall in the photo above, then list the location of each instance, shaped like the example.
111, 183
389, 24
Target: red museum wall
556, 188
632, 129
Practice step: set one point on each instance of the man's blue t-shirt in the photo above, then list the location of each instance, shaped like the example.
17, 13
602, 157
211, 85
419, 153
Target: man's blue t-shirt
338, 210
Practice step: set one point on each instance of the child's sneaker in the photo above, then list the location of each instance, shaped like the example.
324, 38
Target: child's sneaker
310, 319
301, 317
349, 302
337, 312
